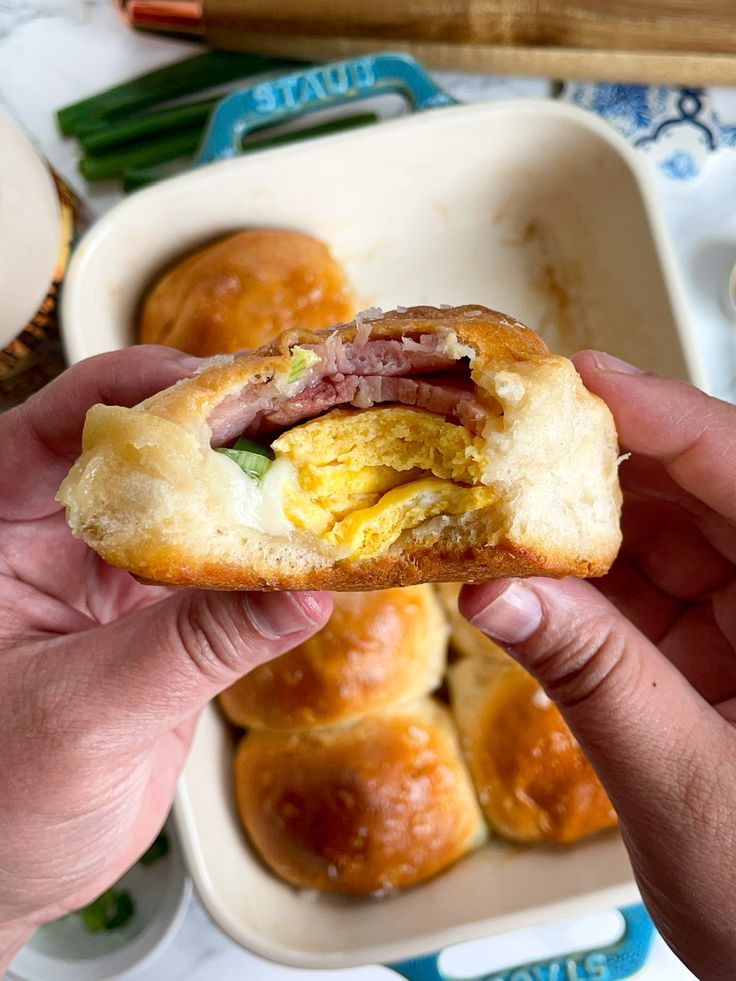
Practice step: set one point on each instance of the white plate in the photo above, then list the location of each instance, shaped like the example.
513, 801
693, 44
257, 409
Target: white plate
30, 228
537, 209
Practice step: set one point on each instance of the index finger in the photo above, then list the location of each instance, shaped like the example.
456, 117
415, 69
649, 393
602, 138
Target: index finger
690, 433
42, 437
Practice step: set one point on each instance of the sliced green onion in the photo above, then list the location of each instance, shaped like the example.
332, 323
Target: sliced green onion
174, 81
252, 464
145, 154
301, 360
243, 443
109, 911
96, 139
158, 850
252, 458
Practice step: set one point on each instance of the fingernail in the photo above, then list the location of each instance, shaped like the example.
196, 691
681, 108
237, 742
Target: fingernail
608, 363
190, 364
512, 617
313, 603
276, 615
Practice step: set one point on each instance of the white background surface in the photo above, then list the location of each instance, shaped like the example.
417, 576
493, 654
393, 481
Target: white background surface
53, 52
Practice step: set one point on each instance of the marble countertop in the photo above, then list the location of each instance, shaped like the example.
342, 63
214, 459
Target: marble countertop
53, 52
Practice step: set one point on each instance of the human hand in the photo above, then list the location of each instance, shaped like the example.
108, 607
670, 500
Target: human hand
643, 662
101, 678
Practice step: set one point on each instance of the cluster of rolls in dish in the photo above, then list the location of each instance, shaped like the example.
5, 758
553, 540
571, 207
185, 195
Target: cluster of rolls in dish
352, 777
416, 446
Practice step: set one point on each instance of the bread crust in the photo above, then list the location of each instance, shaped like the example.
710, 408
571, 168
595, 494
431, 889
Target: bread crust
502, 344
416, 564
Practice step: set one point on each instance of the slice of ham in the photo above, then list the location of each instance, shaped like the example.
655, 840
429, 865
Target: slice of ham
455, 399
323, 394
357, 374
382, 357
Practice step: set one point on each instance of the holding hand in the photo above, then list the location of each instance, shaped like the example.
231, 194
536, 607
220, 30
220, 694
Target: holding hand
101, 678
643, 667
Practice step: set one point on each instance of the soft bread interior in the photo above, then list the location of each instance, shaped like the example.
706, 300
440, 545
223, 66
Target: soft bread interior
538, 476
554, 462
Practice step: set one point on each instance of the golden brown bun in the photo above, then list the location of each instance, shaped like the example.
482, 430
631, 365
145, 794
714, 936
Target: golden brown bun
377, 650
464, 638
532, 779
241, 292
149, 494
382, 803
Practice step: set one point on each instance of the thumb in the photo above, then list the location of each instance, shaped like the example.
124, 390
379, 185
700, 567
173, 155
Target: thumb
144, 674
663, 754
636, 717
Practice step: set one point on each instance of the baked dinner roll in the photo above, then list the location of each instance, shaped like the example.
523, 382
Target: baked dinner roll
242, 291
381, 803
424, 444
532, 780
377, 649
464, 638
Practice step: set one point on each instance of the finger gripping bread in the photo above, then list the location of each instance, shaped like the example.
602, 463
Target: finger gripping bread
413, 446
378, 649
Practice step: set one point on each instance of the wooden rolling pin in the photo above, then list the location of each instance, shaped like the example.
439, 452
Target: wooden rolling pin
677, 41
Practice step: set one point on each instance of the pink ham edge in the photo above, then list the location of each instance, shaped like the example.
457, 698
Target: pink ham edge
358, 374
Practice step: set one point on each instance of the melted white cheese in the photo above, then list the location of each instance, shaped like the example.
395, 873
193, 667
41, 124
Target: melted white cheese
257, 504
271, 517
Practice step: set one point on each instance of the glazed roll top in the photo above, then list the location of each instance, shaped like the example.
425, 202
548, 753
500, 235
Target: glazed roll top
243, 290
378, 649
532, 779
382, 803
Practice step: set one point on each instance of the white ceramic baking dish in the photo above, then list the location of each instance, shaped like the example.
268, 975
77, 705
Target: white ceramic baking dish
534, 208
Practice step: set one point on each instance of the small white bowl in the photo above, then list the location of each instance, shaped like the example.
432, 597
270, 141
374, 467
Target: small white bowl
30, 229
67, 951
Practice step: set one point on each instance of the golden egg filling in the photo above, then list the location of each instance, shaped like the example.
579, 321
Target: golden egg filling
429, 466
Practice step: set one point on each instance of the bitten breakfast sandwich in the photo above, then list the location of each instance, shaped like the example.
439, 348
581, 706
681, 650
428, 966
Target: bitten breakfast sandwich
412, 446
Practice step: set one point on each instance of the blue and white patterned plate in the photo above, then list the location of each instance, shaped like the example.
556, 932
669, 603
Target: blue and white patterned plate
677, 129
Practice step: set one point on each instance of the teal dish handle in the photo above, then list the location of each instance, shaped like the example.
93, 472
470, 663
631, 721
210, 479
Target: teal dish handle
311, 89
622, 959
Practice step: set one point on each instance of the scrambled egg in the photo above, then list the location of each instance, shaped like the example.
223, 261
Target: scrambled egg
364, 476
